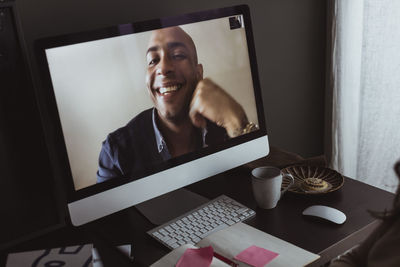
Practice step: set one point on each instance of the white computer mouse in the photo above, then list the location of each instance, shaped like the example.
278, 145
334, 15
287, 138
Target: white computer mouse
325, 212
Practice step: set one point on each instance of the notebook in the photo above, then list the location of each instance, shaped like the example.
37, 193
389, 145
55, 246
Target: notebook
231, 241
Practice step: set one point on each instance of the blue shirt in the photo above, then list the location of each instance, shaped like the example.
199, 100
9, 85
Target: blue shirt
140, 146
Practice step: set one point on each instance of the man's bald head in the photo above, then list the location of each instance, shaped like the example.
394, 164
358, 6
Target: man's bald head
177, 36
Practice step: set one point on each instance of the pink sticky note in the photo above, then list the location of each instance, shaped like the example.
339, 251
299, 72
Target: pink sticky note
200, 257
256, 256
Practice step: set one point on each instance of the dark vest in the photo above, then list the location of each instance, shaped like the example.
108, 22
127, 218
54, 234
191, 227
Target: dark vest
135, 145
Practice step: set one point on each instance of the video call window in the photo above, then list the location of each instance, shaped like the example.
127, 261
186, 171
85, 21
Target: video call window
101, 86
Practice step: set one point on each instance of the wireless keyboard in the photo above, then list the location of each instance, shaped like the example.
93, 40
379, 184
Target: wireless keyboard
196, 224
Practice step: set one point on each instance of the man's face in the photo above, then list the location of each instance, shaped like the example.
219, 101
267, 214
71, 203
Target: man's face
172, 72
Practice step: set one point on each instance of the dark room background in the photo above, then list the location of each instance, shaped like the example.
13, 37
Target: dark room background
290, 39
290, 42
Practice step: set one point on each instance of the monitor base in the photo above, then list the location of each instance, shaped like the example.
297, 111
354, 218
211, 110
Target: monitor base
164, 208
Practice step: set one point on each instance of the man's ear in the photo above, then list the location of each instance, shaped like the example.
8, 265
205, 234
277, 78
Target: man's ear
199, 72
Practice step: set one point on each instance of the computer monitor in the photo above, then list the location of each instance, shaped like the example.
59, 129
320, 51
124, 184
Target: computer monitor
116, 105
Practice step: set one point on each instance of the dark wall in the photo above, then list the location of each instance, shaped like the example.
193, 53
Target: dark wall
27, 205
290, 46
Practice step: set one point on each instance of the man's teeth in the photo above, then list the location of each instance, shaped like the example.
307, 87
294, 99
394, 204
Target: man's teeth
168, 89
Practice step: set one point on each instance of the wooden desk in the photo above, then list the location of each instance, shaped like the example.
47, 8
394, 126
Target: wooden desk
285, 221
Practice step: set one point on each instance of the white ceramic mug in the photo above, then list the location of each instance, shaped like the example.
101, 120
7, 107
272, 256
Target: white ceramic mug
267, 183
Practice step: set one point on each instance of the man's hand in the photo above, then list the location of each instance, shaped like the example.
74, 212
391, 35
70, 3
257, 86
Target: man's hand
212, 102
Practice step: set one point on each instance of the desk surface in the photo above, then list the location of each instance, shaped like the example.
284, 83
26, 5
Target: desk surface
285, 221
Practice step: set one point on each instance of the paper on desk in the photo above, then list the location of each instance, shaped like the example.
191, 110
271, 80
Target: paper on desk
196, 257
75, 256
173, 257
256, 256
230, 241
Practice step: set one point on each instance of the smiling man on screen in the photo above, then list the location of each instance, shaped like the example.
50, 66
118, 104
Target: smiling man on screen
189, 112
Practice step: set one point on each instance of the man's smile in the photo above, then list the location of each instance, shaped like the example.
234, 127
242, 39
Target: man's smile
168, 89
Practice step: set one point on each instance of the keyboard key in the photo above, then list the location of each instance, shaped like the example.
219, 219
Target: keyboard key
165, 239
198, 233
196, 240
174, 245
162, 231
241, 210
171, 241
157, 234
230, 222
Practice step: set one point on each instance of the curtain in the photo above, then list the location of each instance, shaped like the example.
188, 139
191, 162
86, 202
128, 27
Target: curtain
365, 90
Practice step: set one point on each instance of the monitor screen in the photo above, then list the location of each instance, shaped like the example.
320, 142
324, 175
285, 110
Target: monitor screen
128, 106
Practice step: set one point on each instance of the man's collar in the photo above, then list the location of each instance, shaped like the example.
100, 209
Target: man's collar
161, 144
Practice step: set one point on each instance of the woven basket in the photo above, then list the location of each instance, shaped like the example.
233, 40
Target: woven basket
301, 172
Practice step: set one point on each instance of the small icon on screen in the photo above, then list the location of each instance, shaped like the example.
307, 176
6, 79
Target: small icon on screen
236, 22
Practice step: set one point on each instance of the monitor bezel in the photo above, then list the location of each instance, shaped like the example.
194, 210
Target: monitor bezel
49, 111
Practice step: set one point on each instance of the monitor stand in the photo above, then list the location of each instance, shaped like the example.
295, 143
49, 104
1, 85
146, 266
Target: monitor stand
164, 208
